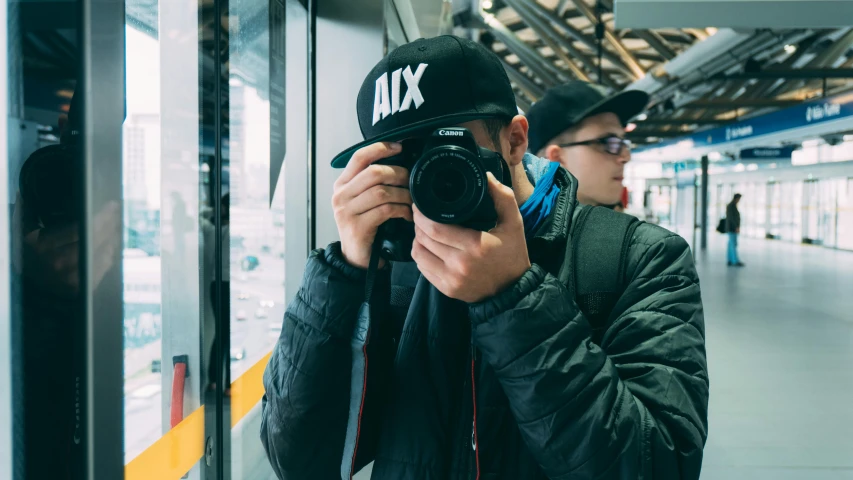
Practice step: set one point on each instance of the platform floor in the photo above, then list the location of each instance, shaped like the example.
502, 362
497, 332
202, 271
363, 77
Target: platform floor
780, 355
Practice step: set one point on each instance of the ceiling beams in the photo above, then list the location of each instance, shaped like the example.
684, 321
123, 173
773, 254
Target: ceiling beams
546, 42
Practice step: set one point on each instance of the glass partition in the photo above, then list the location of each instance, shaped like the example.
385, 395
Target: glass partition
205, 155
267, 128
163, 235
43, 220
168, 244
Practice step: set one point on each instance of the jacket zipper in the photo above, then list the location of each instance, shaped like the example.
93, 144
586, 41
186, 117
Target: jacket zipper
461, 430
474, 443
361, 408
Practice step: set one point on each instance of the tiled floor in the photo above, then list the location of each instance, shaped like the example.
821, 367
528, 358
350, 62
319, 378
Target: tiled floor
780, 353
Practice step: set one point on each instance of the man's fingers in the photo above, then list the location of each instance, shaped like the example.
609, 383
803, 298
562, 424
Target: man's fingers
390, 175
366, 156
378, 195
445, 252
506, 205
428, 263
451, 235
377, 216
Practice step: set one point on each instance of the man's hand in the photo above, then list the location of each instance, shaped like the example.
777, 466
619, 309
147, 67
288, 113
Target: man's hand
367, 195
469, 265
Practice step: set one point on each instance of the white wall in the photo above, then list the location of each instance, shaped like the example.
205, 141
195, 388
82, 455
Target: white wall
349, 44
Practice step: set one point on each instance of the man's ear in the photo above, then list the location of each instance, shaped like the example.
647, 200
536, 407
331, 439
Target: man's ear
552, 153
517, 135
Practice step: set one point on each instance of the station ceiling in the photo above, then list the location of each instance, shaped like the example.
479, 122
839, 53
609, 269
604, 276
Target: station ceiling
546, 42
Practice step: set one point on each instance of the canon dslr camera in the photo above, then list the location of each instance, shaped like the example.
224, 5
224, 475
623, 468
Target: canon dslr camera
448, 183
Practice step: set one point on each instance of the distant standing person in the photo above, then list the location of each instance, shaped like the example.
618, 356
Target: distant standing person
733, 229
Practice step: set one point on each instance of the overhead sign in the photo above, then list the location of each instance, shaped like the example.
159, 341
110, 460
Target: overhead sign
798, 116
767, 153
733, 133
646, 14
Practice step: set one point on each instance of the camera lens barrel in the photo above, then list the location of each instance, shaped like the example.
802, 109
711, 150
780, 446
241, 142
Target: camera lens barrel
448, 184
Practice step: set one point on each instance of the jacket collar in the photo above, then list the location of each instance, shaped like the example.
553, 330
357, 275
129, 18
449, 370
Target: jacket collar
548, 244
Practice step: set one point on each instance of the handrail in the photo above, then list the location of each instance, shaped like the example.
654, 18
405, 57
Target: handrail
176, 452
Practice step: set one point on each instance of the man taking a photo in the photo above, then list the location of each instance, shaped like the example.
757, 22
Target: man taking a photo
475, 361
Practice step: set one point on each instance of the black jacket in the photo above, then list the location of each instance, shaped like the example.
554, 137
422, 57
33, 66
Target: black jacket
549, 402
732, 218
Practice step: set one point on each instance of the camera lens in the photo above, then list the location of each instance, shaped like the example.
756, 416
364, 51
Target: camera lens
449, 185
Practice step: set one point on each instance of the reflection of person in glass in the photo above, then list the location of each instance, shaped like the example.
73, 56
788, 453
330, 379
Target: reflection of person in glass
48, 318
214, 304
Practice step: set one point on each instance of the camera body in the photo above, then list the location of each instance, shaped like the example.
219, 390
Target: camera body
448, 183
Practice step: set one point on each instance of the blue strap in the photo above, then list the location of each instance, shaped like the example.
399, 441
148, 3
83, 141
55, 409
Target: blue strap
537, 208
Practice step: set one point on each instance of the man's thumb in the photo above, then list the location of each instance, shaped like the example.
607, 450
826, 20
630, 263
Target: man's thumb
504, 200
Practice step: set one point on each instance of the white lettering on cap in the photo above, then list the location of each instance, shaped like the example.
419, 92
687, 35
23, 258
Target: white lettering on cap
381, 103
386, 103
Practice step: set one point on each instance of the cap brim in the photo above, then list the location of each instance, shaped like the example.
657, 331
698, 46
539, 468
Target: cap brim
626, 105
408, 131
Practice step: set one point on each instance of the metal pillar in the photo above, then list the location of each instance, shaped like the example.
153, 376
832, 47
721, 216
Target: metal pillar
5, 305
103, 53
704, 203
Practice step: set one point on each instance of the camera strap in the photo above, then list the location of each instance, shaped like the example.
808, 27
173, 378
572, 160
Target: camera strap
358, 379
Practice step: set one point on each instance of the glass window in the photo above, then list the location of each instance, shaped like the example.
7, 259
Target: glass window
267, 128
42, 219
168, 244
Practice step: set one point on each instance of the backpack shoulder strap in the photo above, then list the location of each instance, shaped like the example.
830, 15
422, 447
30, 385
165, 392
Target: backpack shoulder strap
600, 241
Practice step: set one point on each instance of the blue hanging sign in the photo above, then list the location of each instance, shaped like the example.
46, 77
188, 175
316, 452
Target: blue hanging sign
767, 153
798, 116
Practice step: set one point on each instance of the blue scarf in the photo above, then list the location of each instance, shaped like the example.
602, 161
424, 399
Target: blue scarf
537, 208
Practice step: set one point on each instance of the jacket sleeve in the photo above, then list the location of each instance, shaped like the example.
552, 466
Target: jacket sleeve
307, 380
634, 408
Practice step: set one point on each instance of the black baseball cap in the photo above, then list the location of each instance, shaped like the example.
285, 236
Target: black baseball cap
566, 105
430, 83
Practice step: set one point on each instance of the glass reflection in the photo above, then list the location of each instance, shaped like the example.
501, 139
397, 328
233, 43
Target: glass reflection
45, 200
143, 322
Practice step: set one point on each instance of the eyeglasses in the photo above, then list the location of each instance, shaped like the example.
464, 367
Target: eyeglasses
611, 144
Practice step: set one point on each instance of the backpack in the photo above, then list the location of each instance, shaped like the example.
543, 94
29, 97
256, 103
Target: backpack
594, 270
721, 227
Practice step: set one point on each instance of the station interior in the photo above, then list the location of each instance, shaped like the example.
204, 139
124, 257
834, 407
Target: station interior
167, 172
